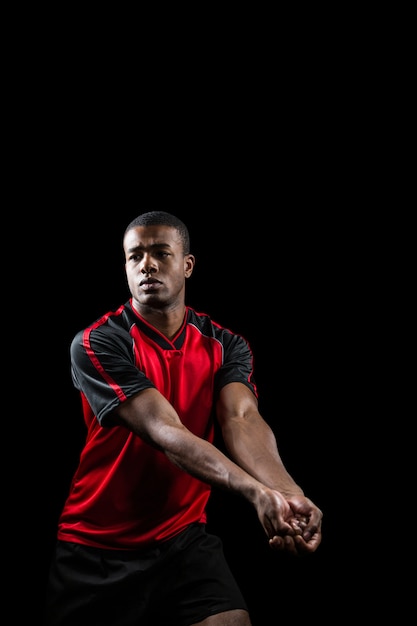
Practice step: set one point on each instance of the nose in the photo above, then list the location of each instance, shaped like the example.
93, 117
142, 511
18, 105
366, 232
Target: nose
148, 265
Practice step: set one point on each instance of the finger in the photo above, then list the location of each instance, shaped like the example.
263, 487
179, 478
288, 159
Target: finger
304, 547
310, 530
282, 544
276, 542
298, 525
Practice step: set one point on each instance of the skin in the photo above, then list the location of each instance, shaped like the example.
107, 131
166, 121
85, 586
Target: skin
157, 270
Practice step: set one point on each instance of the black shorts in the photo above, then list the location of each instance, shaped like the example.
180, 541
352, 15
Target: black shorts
180, 582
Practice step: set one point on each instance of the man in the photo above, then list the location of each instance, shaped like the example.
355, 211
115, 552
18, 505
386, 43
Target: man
153, 377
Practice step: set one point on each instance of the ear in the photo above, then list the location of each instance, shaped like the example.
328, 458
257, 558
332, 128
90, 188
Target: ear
189, 262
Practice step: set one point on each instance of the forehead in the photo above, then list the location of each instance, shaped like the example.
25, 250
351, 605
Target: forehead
145, 236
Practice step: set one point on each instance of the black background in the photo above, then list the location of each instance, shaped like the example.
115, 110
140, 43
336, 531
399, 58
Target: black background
279, 161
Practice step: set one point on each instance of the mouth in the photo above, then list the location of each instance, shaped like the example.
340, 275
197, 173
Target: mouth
149, 284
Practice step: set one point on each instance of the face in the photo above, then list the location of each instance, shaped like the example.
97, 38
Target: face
156, 267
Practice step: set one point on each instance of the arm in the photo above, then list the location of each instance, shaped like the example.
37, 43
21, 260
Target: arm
251, 443
150, 416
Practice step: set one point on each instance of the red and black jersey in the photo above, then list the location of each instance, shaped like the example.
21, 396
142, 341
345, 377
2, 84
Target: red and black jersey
125, 494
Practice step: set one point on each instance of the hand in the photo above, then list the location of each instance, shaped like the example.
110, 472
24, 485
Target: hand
306, 522
276, 516
282, 525
292, 525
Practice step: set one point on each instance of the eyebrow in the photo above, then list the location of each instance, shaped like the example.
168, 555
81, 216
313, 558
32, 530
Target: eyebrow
151, 247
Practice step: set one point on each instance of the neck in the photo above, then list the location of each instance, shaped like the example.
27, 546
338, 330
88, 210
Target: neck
167, 321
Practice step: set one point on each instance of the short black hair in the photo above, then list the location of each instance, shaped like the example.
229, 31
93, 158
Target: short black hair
163, 218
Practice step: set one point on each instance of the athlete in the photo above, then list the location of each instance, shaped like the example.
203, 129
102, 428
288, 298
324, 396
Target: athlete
132, 546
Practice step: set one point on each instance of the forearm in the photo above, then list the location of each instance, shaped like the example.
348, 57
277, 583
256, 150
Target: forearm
251, 443
152, 418
206, 462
